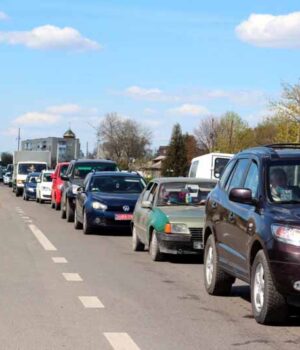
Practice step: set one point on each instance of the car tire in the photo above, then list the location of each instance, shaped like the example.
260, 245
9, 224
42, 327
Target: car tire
18, 192
154, 251
137, 245
62, 210
268, 305
52, 204
42, 201
87, 228
216, 280
77, 224
69, 212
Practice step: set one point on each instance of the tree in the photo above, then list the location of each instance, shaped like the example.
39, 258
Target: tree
123, 140
206, 133
233, 133
192, 148
176, 162
6, 158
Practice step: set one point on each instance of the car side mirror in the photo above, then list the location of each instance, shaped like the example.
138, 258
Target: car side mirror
241, 195
65, 178
146, 205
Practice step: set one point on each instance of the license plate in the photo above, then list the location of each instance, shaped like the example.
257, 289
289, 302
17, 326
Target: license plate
123, 217
197, 245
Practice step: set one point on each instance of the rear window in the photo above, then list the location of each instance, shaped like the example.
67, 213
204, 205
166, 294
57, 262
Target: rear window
81, 170
220, 164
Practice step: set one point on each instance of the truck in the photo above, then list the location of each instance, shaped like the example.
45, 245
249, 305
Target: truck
209, 166
26, 162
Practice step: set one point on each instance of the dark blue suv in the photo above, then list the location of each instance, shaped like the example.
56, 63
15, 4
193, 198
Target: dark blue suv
107, 200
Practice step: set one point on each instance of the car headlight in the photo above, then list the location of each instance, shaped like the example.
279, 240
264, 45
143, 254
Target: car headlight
99, 206
286, 234
177, 228
75, 189
31, 189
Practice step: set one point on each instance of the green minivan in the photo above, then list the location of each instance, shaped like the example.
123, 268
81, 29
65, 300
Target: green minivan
169, 216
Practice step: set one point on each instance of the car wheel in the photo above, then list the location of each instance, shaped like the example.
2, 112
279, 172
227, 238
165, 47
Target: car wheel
18, 192
217, 281
42, 201
268, 305
154, 251
137, 245
69, 212
87, 228
63, 210
77, 224
52, 203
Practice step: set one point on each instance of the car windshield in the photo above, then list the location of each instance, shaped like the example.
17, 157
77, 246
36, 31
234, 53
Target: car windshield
47, 177
117, 184
81, 170
184, 193
32, 179
27, 168
284, 181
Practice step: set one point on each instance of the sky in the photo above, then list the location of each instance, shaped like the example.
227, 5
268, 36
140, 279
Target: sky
68, 63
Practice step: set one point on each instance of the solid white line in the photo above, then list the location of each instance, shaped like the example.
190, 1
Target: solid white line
44, 241
72, 277
121, 341
59, 260
91, 302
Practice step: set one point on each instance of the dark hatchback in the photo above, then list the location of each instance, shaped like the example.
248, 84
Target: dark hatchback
252, 230
30, 186
107, 200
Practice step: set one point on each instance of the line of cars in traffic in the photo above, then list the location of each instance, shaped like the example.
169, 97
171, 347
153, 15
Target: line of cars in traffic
247, 223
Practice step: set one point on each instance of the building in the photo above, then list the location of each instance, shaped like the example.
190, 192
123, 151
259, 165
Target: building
62, 149
154, 167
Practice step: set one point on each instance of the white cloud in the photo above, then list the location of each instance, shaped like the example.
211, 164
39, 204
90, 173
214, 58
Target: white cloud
64, 109
189, 110
266, 30
11, 132
50, 37
3, 16
37, 118
142, 93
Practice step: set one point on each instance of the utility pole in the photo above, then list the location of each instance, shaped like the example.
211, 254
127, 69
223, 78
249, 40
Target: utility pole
87, 150
19, 138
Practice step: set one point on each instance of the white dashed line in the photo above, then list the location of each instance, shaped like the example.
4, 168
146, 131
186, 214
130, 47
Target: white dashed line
91, 302
59, 260
121, 341
25, 217
72, 277
44, 241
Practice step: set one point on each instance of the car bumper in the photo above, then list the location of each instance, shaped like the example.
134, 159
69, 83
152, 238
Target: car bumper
179, 244
31, 195
106, 219
285, 267
46, 196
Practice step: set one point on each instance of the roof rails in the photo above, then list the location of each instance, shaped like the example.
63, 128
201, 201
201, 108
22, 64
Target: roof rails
283, 146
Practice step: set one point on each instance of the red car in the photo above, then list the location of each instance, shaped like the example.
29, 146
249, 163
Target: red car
57, 184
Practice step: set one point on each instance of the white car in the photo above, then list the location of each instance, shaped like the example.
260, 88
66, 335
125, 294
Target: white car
7, 178
44, 186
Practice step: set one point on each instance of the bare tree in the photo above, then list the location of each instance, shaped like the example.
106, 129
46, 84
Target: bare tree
124, 140
206, 133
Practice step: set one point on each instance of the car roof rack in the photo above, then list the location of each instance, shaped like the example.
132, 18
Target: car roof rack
283, 145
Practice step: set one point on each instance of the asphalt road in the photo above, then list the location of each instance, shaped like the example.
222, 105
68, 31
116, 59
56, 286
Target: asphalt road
119, 300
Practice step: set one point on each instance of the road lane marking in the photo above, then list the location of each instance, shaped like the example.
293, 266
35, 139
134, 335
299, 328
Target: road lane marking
59, 260
121, 341
25, 217
91, 302
44, 241
72, 277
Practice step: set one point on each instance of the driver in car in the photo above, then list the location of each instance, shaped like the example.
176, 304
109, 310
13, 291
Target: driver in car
280, 190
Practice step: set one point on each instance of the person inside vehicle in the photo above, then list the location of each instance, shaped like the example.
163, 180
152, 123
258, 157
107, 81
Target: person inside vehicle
280, 189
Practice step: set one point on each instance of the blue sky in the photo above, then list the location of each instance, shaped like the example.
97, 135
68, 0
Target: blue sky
159, 62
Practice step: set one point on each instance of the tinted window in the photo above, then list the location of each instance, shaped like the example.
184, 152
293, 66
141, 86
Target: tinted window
237, 175
63, 170
220, 164
226, 173
252, 179
82, 169
25, 169
193, 170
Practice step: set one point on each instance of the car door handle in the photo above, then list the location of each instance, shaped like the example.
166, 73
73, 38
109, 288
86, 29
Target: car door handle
214, 205
231, 217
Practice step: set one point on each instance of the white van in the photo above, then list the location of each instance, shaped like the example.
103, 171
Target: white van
209, 166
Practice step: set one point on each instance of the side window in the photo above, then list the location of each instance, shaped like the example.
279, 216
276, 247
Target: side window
226, 173
251, 181
237, 175
193, 170
147, 191
152, 193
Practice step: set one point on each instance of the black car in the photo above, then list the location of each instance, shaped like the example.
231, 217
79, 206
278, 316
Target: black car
252, 230
30, 186
107, 200
73, 179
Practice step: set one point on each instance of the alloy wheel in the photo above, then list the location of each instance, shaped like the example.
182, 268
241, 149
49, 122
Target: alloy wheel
209, 266
259, 287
